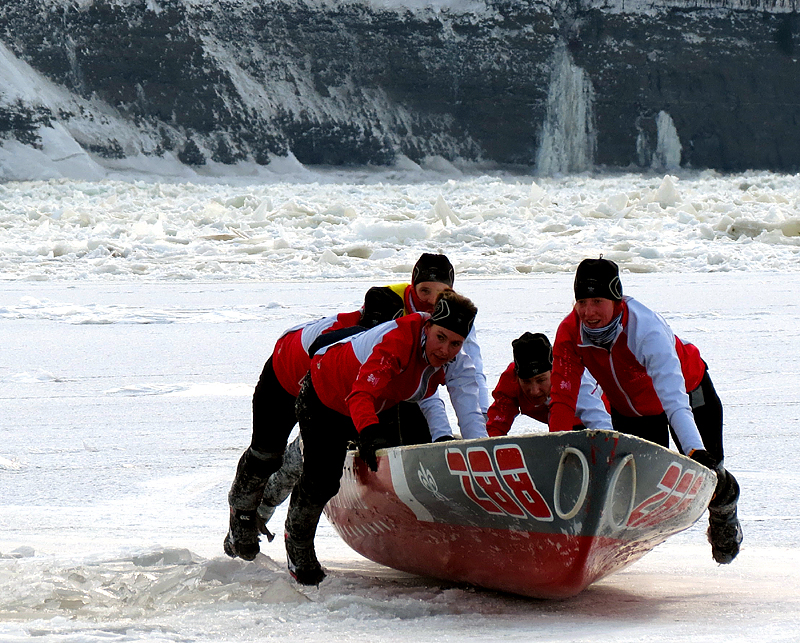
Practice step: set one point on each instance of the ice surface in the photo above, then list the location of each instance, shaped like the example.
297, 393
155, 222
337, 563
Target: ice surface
330, 224
136, 315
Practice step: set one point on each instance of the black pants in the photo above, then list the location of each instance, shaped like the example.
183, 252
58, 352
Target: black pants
274, 417
405, 424
273, 413
707, 411
326, 434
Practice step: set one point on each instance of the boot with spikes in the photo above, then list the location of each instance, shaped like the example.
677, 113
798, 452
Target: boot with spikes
242, 538
724, 531
301, 526
302, 561
252, 473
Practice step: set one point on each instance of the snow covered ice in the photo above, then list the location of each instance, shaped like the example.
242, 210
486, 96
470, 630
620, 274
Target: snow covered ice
137, 311
368, 225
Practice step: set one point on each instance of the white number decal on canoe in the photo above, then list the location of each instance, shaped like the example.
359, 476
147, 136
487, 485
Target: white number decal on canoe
512, 493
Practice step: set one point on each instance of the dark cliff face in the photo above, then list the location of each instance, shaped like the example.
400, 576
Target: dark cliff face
351, 85
728, 79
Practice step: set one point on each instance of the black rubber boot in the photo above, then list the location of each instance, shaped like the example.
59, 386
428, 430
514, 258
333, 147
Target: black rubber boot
242, 537
302, 562
252, 473
280, 484
724, 531
301, 526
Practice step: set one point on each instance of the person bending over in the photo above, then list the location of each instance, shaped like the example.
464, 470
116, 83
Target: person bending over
350, 382
524, 388
655, 383
404, 423
274, 415
432, 274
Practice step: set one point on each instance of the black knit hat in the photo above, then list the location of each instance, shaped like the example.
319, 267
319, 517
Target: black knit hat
533, 355
430, 267
454, 312
381, 304
598, 278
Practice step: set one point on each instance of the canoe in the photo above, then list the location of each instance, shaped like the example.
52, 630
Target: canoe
541, 515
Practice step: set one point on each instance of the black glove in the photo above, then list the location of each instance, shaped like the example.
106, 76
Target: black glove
444, 438
370, 440
701, 456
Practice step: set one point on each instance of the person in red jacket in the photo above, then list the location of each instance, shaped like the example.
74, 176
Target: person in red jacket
350, 382
524, 388
274, 414
656, 385
431, 275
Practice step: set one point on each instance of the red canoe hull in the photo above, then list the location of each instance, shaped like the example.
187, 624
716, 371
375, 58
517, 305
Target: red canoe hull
541, 515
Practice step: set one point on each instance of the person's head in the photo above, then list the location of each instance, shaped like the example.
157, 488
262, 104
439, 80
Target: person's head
432, 275
598, 292
533, 364
380, 305
448, 327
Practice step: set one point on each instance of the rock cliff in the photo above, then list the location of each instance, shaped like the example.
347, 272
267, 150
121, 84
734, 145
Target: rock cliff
560, 87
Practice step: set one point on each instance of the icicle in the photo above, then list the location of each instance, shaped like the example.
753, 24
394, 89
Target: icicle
568, 137
668, 147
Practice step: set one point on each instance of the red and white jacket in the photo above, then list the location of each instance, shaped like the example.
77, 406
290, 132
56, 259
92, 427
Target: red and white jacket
471, 347
290, 358
509, 402
364, 374
647, 371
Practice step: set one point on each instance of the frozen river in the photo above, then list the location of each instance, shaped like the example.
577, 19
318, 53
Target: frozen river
126, 407
137, 311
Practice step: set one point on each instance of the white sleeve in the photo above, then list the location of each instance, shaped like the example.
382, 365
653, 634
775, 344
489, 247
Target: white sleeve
652, 342
462, 384
590, 409
435, 414
314, 329
472, 349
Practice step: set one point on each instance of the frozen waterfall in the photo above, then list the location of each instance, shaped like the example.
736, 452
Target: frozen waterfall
568, 140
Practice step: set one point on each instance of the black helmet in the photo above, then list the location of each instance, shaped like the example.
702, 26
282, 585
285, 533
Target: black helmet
430, 267
533, 355
454, 312
598, 278
381, 304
